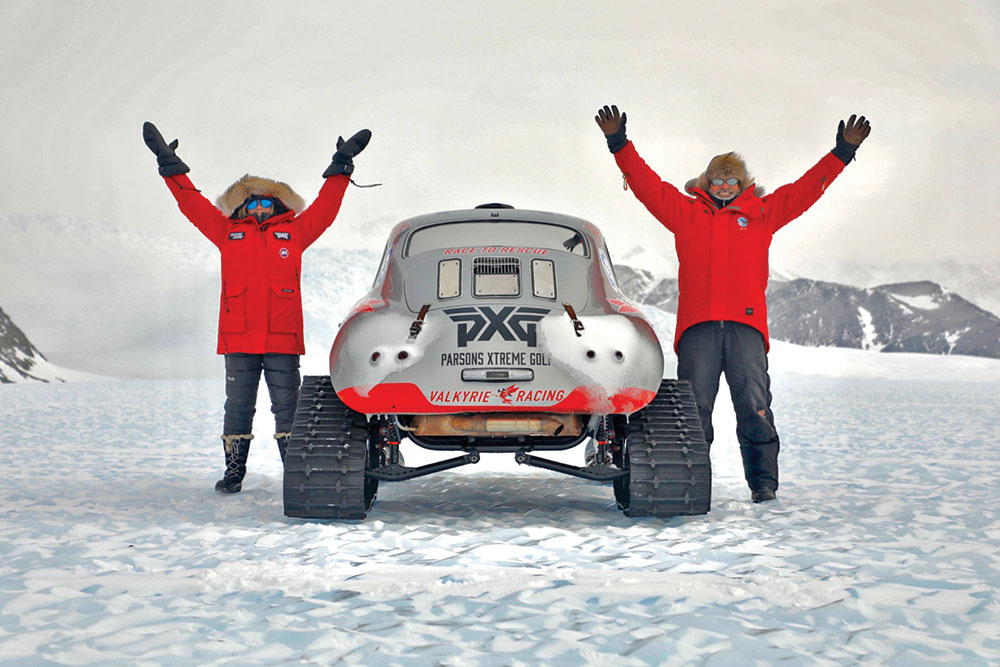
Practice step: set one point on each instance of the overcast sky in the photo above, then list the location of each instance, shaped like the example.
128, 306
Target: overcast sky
472, 102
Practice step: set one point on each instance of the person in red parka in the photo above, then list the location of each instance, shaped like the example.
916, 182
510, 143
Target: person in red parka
722, 231
261, 227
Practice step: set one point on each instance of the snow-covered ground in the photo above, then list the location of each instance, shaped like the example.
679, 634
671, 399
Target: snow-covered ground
883, 548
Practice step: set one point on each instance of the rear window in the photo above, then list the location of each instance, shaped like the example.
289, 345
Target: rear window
501, 236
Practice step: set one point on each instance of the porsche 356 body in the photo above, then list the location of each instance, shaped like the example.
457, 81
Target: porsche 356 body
496, 329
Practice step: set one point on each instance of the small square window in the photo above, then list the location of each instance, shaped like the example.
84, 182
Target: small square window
449, 278
543, 278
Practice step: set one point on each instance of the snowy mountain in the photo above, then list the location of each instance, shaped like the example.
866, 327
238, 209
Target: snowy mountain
18, 357
901, 317
21, 361
652, 289
976, 281
106, 299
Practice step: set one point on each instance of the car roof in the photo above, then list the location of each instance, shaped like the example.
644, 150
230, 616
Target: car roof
498, 213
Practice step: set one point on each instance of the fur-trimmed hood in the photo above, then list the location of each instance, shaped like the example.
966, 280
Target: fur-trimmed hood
727, 165
248, 185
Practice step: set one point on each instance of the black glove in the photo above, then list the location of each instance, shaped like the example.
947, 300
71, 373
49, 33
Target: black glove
572, 242
170, 164
850, 137
613, 125
343, 159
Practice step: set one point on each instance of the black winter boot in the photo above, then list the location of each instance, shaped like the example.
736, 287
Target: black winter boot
236, 448
282, 440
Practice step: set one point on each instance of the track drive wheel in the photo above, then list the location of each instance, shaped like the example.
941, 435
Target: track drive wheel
327, 456
670, 473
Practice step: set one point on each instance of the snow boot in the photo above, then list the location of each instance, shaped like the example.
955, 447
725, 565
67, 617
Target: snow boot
282, 440
237, 448
762, 495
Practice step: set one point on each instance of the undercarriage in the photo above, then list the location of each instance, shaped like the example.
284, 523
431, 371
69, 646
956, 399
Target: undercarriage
656, 459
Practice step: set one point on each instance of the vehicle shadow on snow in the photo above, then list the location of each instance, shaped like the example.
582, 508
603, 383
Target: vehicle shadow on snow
492, 496
541, 499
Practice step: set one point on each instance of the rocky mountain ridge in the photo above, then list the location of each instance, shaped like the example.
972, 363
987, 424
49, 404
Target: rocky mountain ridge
918, 316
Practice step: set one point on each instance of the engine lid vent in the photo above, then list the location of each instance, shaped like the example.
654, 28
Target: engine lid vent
496, 266
496, 276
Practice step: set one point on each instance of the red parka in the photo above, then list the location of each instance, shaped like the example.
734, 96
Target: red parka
723, 253
260, 309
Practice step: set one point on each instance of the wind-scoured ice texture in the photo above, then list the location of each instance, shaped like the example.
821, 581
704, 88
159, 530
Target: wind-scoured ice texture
883, 547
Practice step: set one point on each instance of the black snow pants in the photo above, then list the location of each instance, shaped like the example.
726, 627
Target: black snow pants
708, 349
281, 373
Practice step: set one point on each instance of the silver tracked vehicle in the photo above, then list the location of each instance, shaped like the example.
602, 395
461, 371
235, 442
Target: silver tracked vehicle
496, 330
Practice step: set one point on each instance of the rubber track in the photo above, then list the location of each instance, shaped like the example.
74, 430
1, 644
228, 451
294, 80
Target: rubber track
671, 473
325, 460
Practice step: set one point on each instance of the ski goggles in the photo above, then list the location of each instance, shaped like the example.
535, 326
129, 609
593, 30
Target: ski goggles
263, 203
727, 181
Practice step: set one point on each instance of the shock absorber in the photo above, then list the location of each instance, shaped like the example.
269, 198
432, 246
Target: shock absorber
605, 436
389, 435
614, 442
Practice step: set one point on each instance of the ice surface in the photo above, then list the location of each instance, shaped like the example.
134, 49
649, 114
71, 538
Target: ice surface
883, 548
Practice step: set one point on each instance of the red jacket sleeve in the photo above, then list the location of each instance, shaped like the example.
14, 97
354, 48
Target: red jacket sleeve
790, 201
209, 220
660, 198
321, 213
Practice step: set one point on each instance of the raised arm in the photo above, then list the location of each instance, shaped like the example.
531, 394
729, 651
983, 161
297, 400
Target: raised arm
321, 213
660, 198
790, 201
209, 220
